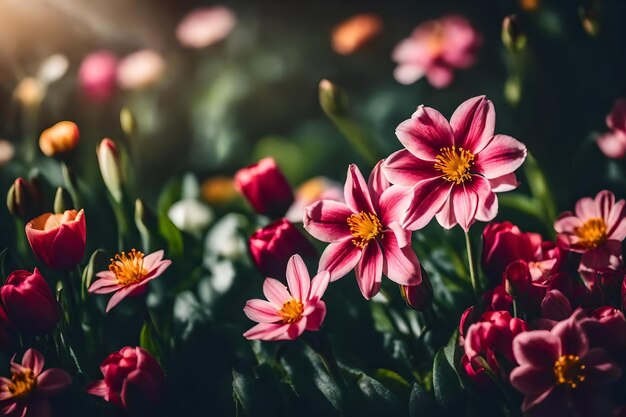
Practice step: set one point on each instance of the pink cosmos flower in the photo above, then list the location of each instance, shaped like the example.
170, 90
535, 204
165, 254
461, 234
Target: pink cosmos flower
205, 26
25, 394
288, 313
559, 374
364, 233
596, 230
128, 275
435, 49
613, 143
455, 168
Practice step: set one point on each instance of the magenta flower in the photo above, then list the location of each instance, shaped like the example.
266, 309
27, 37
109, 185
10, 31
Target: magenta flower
455, 168
613, 143
559, 372
128, 275
24, 395
435, 49
596, 230
364, 233
288, 313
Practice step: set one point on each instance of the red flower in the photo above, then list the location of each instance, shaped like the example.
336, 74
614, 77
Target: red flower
130, 367
272, 246
58, 240
265, 187
29, 302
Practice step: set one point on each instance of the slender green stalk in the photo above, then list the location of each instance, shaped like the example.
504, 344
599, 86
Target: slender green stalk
470, 260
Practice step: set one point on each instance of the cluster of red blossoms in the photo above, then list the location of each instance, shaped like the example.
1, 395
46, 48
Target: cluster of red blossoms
552, 323
30, 310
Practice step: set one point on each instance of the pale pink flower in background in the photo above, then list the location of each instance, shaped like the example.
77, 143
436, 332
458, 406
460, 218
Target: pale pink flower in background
364, 233
7, 151
613, 143
205, 26
315, 189
25, 394
289, 312
128, 275
140, 69
596, 229
435, 49
456, 167
97, 75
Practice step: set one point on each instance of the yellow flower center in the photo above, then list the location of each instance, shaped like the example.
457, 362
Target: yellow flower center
291, 311
568, 370
455, 164
128, 268
364, 227
22, 383
592, 233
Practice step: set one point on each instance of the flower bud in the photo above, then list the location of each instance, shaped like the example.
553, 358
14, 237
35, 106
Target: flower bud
128, 122
265, 187
332, 99
132, 370
272, 246
59, 139
29, 302
58, 240
23, 199
512, 36
418, 297
62, 201
110, 167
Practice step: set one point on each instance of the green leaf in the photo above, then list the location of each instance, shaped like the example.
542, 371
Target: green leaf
371, 397
394, 381
446, 384
3, 256
89, 272
540, 188
422, 403
172, 236
254, 396
148, 341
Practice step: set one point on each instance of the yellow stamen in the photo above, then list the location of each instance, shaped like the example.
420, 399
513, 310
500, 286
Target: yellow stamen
128, 268
292, 311
592, 233
568, 370
22, 383
455, 164
364, 227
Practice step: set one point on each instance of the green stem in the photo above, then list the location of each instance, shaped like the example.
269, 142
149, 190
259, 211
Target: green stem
470, 260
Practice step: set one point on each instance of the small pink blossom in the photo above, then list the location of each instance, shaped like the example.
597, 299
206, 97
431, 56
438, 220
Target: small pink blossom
289, 312
364, 233
128, 275
435, 49
454, 168
613, 143
25, 393
205, 26
141, 69
97, 75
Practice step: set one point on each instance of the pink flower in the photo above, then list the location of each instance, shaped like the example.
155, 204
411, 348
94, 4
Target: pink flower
128, 275
559, 372
25, 394
596, 230
141, 69
130, 370
364, 233
435, 49
97, 75
455, 168
288, 313
613, 143
315, 189
205, 26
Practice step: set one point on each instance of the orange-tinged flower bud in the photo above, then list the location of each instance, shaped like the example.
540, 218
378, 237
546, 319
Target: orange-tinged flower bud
59, 139
23, 199
353, 33
110, 167
58, 240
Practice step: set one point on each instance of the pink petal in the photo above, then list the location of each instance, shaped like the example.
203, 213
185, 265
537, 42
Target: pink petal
612, 144
473, 123
52, 381
298, 278
316, 318
106, 275
377, 182
369, 270
504, 183
439, 76
445, 217
408, 73
428, 198
548, 401
402, 235
261, 311
538, 348
393, 204
425, 133
294, 330
587, 208
34, 360
532, 381
319, 284
158, 269
465, 204
276, 292
266, 331
402, 168
487, 201
400, 264
556, 306
566, 223
327, 220
573, 339
104, 286
501, 156
339, 258
356, 193
150, 260
601, 370
119, 296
